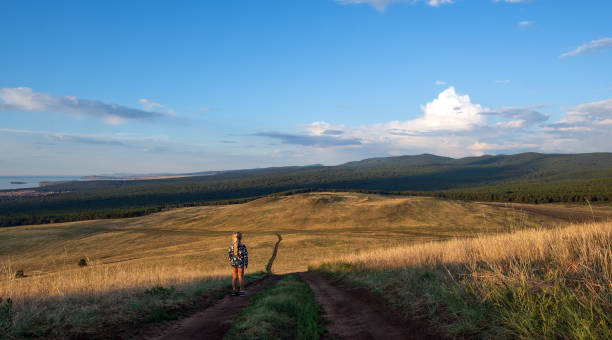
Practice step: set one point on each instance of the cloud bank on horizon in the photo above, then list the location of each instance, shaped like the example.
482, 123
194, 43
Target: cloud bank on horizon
453, 125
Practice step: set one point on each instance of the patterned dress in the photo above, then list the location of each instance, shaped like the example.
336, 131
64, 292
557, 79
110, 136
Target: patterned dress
241, 259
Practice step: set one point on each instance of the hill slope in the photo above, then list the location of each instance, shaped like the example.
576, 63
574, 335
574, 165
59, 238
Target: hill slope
528, 177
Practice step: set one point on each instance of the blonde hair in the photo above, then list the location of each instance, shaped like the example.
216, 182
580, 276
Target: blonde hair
236, 238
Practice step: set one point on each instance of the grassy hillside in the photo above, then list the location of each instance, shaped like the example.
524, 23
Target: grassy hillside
537, 284
314, 223
529, 177
185, 248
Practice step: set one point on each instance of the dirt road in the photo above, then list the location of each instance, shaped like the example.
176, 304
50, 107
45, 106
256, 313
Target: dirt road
352, 313
214, 322
356, 313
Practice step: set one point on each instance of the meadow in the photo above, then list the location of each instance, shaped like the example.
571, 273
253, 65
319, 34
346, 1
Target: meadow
166, 260
529, 284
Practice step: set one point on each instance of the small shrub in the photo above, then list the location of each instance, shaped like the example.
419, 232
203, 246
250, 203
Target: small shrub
160, 292
20, 274
82, 263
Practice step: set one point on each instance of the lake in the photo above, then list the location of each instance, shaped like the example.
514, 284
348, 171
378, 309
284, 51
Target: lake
32, 181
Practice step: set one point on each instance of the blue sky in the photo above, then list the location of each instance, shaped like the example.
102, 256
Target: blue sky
92, 87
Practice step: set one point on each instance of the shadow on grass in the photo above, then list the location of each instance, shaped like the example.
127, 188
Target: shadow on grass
479, 301
118, 313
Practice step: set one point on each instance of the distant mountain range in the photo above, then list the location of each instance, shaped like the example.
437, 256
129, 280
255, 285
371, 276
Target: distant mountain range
525, 177
483, 169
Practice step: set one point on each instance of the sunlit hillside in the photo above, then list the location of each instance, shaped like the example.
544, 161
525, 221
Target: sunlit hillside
186, 248
531, 284
186, 244
314, 225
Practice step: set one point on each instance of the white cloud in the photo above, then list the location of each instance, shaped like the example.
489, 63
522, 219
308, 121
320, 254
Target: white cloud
519, 116
114, 120
381, 5
23, 99
149, 104
590, 113
590, 47
92, 139
525, 24
450, 111
437, 3
438, 130
440, 82
512, 1
453, 125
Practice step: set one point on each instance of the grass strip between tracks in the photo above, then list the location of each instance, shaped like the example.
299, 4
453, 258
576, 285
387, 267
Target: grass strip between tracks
287, 310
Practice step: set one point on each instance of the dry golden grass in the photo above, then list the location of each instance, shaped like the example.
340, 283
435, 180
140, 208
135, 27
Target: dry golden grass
318, 223
188, 246
189, 243
83, 299
554, 283
562, 246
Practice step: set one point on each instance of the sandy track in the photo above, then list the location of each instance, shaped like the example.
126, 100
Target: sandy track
356, 313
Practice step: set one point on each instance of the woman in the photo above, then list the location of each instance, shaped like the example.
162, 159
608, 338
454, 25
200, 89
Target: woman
239, 260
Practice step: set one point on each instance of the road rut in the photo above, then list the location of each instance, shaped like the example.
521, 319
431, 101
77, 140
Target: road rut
215, 321
356, 313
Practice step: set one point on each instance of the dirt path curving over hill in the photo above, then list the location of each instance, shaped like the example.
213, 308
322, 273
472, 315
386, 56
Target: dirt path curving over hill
273, 257
356, 313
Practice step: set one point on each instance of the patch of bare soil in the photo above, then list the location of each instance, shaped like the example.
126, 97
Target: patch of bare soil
356, 313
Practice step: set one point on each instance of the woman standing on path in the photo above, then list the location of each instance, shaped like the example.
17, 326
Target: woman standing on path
239, 260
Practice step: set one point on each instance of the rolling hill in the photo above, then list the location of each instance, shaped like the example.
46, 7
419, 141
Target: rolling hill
527, 177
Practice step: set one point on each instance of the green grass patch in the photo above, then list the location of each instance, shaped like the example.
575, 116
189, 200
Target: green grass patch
288, 310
